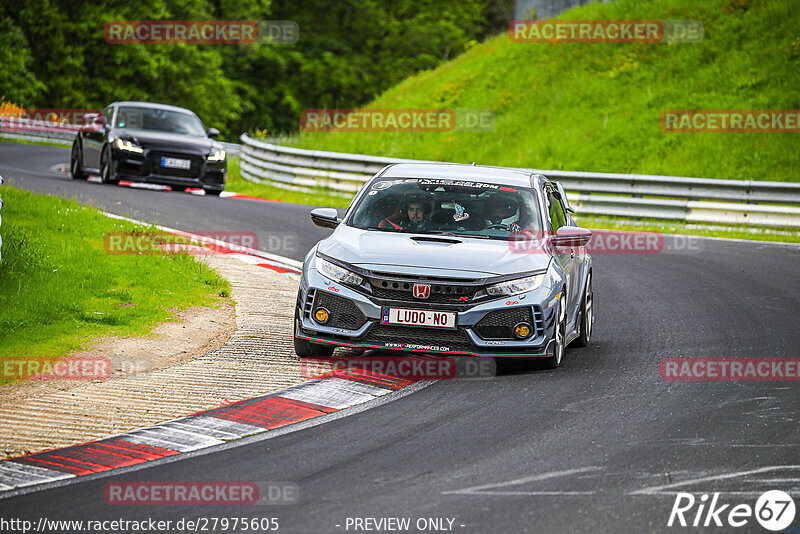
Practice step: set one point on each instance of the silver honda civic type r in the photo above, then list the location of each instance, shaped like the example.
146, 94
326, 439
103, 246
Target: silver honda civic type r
449, 259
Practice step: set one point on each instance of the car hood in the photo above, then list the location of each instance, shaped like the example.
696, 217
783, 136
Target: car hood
169, 141
399, 253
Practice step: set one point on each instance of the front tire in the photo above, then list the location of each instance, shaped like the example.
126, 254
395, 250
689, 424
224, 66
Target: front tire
587, 316
212, 192
559, 334
76, 162
107, 174
306, 349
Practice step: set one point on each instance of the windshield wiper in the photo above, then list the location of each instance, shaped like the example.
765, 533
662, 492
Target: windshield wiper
476, 236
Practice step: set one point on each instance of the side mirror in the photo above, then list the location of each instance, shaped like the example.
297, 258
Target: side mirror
213, 132
572, 236
325, 217
93, 122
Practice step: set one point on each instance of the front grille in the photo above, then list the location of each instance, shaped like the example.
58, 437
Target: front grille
380, 333
154, 158
398, 288
500, 324
343, 312
439, 294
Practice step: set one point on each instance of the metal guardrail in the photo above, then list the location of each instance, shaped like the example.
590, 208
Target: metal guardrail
692, 200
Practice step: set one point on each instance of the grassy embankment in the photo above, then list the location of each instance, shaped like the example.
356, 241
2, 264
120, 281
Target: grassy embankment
59, 288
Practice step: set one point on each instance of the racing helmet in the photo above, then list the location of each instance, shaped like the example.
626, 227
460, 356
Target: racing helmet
502, 208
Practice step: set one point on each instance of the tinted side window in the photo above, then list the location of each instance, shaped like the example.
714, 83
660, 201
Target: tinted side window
107, 115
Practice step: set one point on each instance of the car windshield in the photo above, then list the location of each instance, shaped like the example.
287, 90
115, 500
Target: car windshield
446, 207
160, 120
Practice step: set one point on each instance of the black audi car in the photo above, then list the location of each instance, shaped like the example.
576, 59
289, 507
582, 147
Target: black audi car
152, 143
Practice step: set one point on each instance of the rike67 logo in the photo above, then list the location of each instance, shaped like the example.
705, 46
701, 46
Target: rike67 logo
774, 510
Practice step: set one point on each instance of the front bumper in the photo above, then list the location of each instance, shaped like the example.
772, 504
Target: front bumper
355, 322
146, 168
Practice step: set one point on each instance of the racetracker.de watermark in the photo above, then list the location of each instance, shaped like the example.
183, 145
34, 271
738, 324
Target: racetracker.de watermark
40, 368
606, 242
606, 31
730, 369
209, 493
201, 243
397, 120
52, 120
410, 368
201, 32
731, 120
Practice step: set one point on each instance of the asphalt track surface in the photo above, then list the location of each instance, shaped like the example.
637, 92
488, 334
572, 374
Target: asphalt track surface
601, 444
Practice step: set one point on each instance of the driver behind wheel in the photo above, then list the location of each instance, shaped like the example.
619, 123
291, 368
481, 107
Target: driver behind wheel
414, 210
502, 213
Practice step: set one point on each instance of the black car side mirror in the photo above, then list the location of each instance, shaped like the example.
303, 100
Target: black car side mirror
213, 132
325, 217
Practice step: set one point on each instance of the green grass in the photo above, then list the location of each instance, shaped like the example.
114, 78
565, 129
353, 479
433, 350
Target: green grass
32, 142
596, 107
59, 289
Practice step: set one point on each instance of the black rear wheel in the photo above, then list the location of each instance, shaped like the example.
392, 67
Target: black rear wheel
76, 162
179, 188
212, 192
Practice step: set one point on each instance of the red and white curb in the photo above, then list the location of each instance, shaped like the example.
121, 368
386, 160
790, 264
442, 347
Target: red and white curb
156, 187
327, 394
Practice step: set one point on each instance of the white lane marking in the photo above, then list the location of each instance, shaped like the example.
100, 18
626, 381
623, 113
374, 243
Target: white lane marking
358, 387
216, 427
326, 392
18, 475
169, 437
726, 476
484, 490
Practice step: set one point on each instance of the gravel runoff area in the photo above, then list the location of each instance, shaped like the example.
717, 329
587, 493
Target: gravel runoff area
202, 360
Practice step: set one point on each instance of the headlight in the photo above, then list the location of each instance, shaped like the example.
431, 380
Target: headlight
337, 273
218, 155
512, 287
128, 146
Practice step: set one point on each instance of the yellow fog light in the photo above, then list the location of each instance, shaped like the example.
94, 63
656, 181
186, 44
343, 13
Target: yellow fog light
522, 330
321, 315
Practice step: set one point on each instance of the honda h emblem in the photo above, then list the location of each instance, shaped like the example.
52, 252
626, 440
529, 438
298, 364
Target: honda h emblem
422, 291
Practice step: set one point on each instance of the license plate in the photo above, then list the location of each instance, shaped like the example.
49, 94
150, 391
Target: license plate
408, 317
175, 163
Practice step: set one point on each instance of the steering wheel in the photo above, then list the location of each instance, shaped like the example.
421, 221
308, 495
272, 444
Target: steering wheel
497, 227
